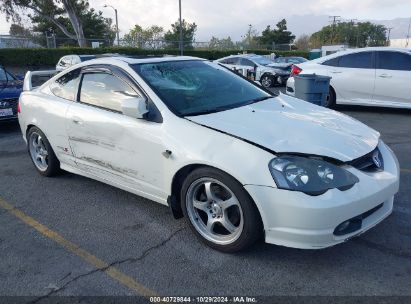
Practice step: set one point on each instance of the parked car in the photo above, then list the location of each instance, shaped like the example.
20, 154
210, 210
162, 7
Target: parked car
70, 60
285, 63
257, 67
289, 60
11, 87
377, 76
238, 163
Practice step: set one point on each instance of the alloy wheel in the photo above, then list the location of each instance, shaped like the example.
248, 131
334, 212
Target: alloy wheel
38, 151
214, 211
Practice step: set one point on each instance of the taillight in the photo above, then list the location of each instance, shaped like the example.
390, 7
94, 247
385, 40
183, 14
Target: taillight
18, 107
295, 70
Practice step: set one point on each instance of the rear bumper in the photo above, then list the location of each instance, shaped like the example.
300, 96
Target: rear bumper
290, 89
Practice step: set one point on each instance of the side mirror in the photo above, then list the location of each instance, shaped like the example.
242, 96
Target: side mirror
134, 107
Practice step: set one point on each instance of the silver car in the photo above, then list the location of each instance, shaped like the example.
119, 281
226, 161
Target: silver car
256, 67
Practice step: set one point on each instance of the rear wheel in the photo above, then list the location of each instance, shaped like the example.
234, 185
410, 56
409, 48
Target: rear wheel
41, 153
267, 81
331, 99
220, 211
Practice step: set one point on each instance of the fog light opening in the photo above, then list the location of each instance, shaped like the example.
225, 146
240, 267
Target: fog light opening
349, 226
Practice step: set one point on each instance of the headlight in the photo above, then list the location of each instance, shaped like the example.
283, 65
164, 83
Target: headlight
311, 176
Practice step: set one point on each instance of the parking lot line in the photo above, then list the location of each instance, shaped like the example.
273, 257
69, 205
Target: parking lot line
406, 170
77, 250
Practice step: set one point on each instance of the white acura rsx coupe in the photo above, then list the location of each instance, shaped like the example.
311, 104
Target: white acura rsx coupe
237, 162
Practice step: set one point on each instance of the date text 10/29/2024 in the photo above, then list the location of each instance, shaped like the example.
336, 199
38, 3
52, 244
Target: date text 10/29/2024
239, 299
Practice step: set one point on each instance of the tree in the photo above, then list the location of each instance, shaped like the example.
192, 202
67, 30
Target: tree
150, 37
361, 34
173, 36
221, 44
250, 39
303, 42
69, 17
279, 35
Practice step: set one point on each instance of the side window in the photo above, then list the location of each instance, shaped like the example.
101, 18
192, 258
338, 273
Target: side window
232, 60
362, 60
105, 91
394, 61
332, 62
246, 62
66, 86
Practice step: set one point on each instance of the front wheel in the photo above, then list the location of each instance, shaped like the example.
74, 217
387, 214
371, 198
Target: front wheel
220, 211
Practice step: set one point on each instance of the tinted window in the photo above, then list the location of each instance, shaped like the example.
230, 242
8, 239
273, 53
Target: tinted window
198, 87
394, 61
332, 62
246, 62
232, 60
86, 58
3, 76
361, 60
66, 86
10, 76
105, 91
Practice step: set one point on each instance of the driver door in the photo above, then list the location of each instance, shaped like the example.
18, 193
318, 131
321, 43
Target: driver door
109, 145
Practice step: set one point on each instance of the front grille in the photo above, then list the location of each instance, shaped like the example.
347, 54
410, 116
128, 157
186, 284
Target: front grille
370, 162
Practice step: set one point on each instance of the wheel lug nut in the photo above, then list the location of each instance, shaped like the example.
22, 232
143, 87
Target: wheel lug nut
213, 215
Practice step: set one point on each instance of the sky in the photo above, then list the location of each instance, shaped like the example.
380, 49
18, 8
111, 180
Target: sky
224, 18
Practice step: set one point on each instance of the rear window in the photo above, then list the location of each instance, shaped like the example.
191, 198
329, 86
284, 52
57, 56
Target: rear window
332, 62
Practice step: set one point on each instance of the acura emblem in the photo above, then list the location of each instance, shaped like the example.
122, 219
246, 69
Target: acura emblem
376, 159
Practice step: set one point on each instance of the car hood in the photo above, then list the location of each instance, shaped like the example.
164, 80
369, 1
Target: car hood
288, 125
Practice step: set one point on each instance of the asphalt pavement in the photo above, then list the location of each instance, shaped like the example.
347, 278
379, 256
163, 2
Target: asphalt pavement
73, 236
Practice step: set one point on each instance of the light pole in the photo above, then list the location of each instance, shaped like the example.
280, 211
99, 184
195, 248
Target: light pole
181, 29
115, 11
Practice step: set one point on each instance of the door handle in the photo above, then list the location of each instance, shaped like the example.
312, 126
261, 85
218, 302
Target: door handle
384, 76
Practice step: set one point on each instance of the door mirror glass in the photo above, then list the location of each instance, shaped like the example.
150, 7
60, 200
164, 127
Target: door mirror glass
134, 107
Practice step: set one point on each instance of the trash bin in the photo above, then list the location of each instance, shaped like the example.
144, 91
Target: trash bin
312, 88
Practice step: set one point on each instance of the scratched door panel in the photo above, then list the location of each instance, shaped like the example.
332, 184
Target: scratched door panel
118, 148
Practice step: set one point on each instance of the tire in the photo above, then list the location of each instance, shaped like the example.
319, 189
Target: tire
212, 200
331, 99
41, 153
267, 81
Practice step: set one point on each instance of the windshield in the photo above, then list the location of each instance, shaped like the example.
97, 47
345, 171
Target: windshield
198, 87
261, 60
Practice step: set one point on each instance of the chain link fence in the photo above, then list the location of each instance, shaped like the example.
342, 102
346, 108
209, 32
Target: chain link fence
50, 40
